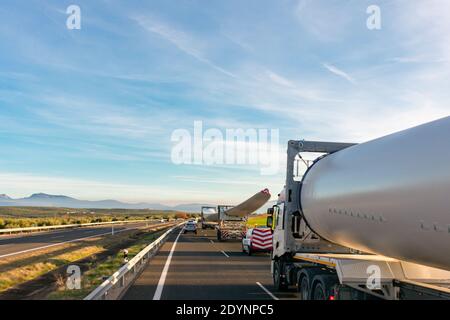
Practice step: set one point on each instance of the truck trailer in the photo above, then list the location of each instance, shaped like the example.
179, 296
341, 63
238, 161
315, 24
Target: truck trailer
230, 227
233, 219
366, 221
209, 217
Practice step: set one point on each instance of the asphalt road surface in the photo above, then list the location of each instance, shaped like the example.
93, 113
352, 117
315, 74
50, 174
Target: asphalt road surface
201, 268
24, 243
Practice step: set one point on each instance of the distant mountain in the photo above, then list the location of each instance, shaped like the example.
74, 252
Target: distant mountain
48, 200
193, 207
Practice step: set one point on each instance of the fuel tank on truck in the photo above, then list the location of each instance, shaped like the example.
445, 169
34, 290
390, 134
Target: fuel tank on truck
389, 196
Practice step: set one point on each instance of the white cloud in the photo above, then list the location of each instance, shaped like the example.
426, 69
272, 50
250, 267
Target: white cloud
279, 79
183, 41
338, 72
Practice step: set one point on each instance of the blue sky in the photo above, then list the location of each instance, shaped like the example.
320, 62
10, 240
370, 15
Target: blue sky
89, 113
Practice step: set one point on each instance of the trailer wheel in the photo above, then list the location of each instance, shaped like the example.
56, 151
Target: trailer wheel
278, 282
303, 288
324, 286
319, 292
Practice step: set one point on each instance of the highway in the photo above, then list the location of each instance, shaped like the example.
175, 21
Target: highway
24, 243
199, 267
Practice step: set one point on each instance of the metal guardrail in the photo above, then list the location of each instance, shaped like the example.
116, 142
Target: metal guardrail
68, 226
116, 285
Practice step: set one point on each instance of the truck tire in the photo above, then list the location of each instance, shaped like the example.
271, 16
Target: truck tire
278, 281
306, 278
319, 292
323, 286
303, 288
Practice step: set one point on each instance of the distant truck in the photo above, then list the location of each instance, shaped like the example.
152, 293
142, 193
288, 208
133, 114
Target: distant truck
209, 217
230, 227
233, 219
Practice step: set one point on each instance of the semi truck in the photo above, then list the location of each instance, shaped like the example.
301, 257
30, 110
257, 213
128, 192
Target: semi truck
229, 227
366, 221
209, 217
233, 219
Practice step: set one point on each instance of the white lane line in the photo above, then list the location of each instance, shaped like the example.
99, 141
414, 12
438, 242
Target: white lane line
59, 243
57, 237
267, 291
162, 279
212, 241
225, 254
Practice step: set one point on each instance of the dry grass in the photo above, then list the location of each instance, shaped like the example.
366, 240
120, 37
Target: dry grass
28, 272
16, 270
97, 274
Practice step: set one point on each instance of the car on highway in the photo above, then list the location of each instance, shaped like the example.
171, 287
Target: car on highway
191, 226
258, 239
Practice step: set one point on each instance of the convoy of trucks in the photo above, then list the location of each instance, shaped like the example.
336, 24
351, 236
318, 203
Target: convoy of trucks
367, 221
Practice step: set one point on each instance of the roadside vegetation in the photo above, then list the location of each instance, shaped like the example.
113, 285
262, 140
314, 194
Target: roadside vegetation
257, 221
24, 217
100, 256
99, 272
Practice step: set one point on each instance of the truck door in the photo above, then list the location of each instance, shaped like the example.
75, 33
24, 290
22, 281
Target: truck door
278, 234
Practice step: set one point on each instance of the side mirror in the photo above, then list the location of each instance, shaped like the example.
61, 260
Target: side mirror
270, 211
269, 222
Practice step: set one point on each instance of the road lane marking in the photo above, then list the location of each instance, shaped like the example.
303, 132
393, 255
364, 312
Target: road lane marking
267, 291
225, 254
162, 279
57, 237
59, 243
212, 241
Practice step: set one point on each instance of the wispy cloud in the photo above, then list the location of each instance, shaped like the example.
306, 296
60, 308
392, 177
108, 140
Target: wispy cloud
180, 39
279, 79
335, 70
